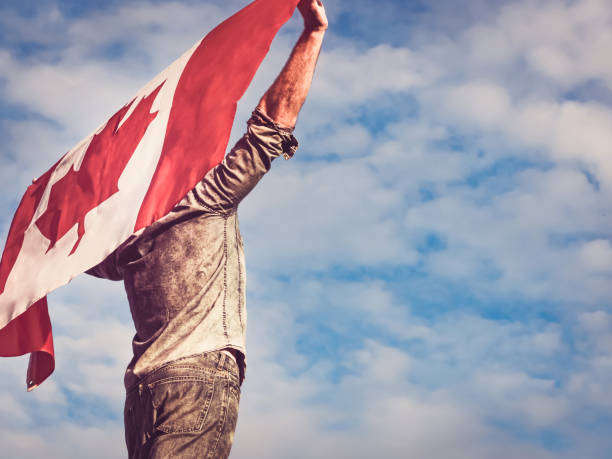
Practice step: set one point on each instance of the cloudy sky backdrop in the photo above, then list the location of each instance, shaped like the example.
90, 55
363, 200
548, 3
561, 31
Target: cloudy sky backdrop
429, 277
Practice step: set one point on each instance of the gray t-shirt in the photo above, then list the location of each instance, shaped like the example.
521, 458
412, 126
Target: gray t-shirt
185, 274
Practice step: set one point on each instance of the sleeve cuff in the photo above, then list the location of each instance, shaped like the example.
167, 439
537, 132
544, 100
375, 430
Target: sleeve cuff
289, 142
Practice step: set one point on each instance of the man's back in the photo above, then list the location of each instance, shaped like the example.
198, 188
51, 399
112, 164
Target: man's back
185, 275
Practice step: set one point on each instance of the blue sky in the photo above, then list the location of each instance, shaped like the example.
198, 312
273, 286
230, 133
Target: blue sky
428, 277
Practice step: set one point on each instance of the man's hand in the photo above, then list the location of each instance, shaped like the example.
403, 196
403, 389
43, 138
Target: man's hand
314, 15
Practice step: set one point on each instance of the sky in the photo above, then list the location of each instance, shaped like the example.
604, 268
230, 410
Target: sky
429, 276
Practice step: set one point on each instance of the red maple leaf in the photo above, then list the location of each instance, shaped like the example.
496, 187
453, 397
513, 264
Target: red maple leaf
80, 191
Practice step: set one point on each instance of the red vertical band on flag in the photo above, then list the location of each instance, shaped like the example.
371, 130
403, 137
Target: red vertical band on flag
31, 332
215, 78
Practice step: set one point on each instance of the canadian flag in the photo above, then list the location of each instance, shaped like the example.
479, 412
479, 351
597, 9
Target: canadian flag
126, 175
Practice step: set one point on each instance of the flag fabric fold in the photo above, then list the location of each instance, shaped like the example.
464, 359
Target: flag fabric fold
126, 175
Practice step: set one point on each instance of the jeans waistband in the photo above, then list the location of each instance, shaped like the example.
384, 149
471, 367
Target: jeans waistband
193, 364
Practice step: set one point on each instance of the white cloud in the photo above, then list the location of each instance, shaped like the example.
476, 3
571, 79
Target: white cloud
321, 215
596, 322
597, 255
484, 103
348, 76
552, 62
95, 442
375, 408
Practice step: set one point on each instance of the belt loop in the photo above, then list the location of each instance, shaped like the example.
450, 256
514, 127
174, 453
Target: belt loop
222, 358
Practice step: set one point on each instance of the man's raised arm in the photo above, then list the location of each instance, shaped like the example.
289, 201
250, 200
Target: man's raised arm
284, 99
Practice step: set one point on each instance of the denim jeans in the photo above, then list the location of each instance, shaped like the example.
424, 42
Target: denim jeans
187, 408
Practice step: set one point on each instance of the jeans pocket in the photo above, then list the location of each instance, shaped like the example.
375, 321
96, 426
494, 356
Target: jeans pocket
180, 403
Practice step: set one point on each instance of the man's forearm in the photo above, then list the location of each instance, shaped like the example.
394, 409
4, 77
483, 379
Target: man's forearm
283, 101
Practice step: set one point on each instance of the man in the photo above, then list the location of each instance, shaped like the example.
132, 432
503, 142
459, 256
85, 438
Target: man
185, 280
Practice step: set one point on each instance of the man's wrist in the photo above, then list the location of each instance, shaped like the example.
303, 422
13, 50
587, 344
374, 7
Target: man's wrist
315, 27
315, 30
317, 34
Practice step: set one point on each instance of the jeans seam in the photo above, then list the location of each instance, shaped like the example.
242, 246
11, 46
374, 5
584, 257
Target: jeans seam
177, 378
224, 311
224, 408
238, 244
